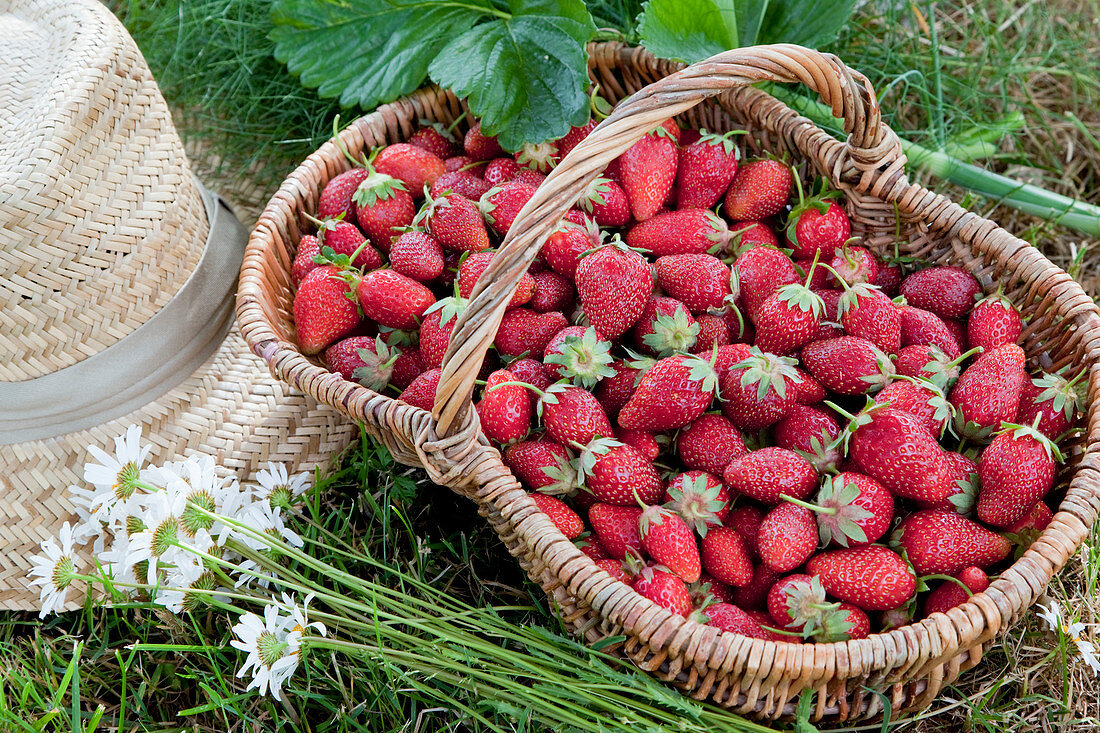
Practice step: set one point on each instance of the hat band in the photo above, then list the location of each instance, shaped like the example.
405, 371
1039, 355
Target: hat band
146, 363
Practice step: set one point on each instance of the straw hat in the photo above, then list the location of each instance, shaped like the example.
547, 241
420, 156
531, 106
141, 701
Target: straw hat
117, 281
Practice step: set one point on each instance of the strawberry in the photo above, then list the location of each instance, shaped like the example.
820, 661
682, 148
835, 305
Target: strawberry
336, 196
950, 593
573, 416
787, 537
469, 272
414, 166
893, 448
760, 188
674, 392
940, 541
526, 332
848, 365
500, 170
812, 433
867, 312
614, 284
344, 238
564, 247
924, 327
618, 474
817, 227
565, 519
769, 473
958, 332
1017, 469
418, 256
570, 139
648, 169
325, 309
436, 139
435, 329
857, 621
730, 618
553, 292
455, 222
591, 547
616, 527
1034, 521
392, 299
699, 498
383, 205
759, 390
528, 177
699, 281
744, 235
664, 589
500, 204
888, 279
615, 569
705, 169
988, 392
713, 332
872, 578
708, 590
949, 292
816, 277
665, 327
669, 540
642, 441
615, 391
921, 399
406, 367
308, 248
797, 603
605, 201
505, 408
754, 595
463, 163
579, 354
421, 393
543, 466
788, 319
463, 183
758, 273
480, 146
681, 232
541, 157
993, 322
1052, 400
852, 265
368, 361
964, 485
709, 443
930, 363
852, 510
531, 372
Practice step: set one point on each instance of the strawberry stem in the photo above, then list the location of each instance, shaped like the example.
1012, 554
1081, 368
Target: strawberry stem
340, 143
953, 579
807, 505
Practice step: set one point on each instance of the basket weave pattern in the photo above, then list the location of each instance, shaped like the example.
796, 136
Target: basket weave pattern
909, 665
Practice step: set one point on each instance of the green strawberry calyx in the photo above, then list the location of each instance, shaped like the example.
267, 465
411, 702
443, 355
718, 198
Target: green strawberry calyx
566, 478
838, 516
701, 370
886, 371
801, 297
808, 608
538, 156
449, 308
725, 141
696, 502
672, 333
595, 194
768, 371
818, 200
376, 187
590, 454
377, 365
1063, 394
824, 454
944, 410
855, 422
1020, 432
585, 359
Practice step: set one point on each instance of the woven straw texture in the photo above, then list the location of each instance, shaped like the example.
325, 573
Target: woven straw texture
100, 224
910, 665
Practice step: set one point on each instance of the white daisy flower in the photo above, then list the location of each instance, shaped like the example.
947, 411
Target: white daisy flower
1052, 614
272, 655
115, 478
249, 571
262, 517
235, 501
277, 488
299, 617
55, 570
161, 518
117, 560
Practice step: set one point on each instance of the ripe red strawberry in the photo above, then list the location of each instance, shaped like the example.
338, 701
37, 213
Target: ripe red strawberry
674, 392
713, 332
437, 140
988, 392
893, 448
921, 399
848, 365
463, 163
709, 443
812, 433
335, 198
940, 541
308, 248
463, 183
744, 235
664, 589
393, 300
615, 569
564, 247
867, 312
888, 279
418, 256
950, 594
669, 541
500, 170
787, 538
1017, 469
580, 354
541, 157
642, 441
964, 486
605, 201
699, 281
531, 372
543, 466
872, 578
382, 206
325, 309
572, 415
949, 292
524, 332
480, 146
924, 327
648, 168
853, 265
575, 135
565, 519
760, 272
852, 510
745, 519
421, 393
414, 166
616, 527
363, 359
685, 231
435, 330
500, 204
618, 474
797, 603
469, 272
614, 284
615, 391
505, 409
817, 227
407, 367
345, 239
455, 222
993, 322
699, 498
705, 169
1035, 521
816, 278
761, 188
1052, 400
729, 617
665, 327
591, 547
928, 362
858, 622
530, 178
788, 319
768, 473
754, 595
553, 292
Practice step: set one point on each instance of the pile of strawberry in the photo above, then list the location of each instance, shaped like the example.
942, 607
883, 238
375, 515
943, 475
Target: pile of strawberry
787, 443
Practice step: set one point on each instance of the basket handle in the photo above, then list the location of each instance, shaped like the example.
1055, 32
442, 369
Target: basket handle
870, 146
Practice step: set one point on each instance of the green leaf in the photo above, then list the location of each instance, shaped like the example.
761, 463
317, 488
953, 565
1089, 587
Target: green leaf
805, 22
686, 30
525, 75
367, 52
750, 15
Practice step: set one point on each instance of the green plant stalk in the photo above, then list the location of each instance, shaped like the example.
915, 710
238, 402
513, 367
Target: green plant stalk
1025, 197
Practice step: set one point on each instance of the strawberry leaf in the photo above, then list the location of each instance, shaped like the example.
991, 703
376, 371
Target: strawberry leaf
524, 73
685, 30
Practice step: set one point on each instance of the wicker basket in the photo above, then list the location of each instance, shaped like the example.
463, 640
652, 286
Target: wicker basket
909, 665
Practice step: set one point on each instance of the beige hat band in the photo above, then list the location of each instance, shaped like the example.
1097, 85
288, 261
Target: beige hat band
144, 364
